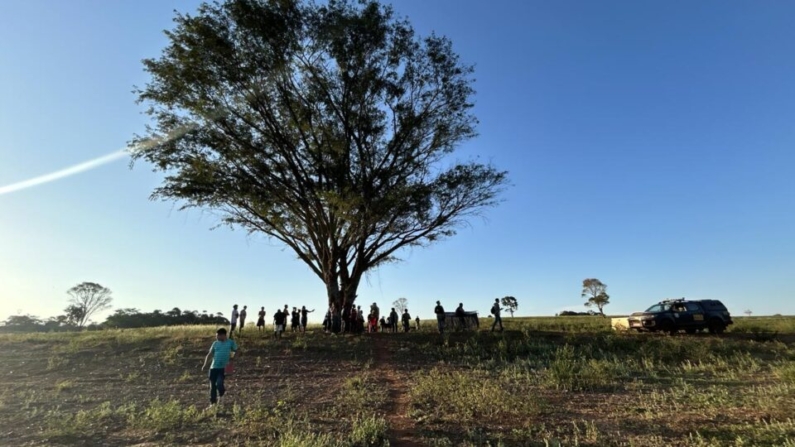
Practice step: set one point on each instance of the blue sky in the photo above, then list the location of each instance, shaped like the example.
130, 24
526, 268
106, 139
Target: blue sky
649, 144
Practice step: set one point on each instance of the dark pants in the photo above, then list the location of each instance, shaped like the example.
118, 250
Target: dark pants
497, 319
405, 326
440, 323
216, 384
232, 329
462, 322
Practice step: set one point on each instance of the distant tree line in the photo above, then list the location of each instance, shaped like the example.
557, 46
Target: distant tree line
133, 318
87, 298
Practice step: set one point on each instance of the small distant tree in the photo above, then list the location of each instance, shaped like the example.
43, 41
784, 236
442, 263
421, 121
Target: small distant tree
510, 303
596, 292
747, 312
87, 299
400, 305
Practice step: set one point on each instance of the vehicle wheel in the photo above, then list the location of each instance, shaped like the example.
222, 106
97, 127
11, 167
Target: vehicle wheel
716, 327
667, 327
690, 331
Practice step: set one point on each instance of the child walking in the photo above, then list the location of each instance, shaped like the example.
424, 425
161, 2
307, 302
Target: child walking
222, 351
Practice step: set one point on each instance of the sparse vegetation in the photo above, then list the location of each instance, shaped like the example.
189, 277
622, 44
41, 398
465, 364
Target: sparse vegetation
544, 381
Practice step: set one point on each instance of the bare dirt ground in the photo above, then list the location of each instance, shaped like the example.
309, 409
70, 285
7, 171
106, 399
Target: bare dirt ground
470, 388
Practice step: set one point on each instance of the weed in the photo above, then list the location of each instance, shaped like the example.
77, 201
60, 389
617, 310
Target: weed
63, 385
56, 362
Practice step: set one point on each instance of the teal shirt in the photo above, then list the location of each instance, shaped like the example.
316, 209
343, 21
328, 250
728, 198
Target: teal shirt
222, 351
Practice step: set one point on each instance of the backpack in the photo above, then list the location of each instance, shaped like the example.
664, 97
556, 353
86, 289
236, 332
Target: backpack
494, 309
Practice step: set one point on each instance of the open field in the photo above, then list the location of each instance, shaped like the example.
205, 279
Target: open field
544, 381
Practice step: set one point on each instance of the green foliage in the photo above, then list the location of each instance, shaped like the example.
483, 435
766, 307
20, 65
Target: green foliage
368, 431
596, 292
321, 125
510, 303
133, 318
786, 373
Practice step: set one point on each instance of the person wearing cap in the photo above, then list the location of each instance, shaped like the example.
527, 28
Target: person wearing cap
222, 351
439, 311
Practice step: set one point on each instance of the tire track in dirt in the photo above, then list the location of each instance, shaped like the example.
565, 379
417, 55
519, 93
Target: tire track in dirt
402, 430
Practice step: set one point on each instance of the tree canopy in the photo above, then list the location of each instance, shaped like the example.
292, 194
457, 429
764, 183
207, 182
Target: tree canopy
510, 303
328, 127
85, 300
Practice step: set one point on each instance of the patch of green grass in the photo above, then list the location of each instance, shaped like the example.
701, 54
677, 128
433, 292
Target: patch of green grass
172, 354
55, 362
63, 385
368, 431
786, 373
132, 376
571, 372
165, 415
467, 397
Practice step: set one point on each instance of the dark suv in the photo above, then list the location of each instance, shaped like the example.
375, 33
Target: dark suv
674, 315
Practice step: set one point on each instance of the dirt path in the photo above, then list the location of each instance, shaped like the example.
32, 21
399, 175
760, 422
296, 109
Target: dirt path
402, 431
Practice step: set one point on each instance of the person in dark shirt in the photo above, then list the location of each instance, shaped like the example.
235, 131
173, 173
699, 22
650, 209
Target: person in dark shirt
461, 315
439, 311
295, 320
393, 320
278, 323
261, 320
304, 313
406, 320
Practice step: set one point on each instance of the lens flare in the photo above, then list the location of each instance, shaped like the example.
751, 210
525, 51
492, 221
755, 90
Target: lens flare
94, 163
63, 173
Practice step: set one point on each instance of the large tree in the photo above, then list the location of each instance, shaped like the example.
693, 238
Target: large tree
329, 128
85, 300
596, 292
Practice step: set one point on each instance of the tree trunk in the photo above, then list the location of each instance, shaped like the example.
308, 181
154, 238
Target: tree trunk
342, 294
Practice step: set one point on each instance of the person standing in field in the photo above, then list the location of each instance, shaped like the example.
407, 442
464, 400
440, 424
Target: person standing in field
461, 314
233, 320
393, 320
495, 310
417, 322
304, 313
406, 320
295, 320
278, 323
439, 311
222, 351
375, 311
261, 319
359, 319
243, 315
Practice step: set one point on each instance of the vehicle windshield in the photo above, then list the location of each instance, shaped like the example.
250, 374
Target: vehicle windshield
659, 308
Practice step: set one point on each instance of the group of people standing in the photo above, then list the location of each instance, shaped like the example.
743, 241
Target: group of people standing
351, 319
297, 319
461, 315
